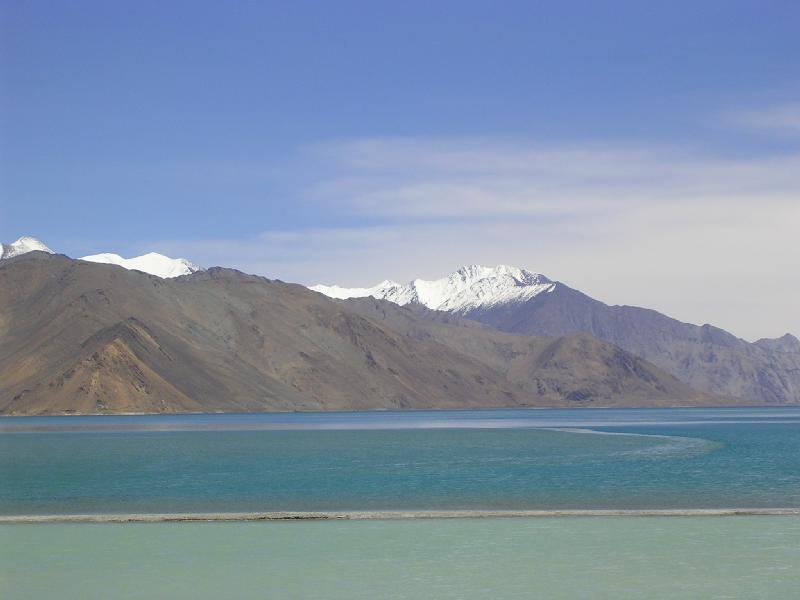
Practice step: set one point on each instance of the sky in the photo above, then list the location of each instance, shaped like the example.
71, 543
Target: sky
645, 153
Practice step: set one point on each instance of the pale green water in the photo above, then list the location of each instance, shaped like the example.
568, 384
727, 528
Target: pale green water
598, 557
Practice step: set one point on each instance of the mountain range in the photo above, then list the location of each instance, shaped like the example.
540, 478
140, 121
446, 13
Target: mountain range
164, 335
518, 301
81, 337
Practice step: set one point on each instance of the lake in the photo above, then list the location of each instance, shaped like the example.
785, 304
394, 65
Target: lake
502, 460
419, 460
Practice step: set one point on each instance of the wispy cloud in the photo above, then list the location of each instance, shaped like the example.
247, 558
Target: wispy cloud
474, 178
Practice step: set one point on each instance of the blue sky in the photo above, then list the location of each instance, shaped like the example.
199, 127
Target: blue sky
635, 150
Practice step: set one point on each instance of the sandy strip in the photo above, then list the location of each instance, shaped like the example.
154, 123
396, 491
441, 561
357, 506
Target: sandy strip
367, 515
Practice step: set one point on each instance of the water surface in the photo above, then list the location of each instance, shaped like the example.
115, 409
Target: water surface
419, 460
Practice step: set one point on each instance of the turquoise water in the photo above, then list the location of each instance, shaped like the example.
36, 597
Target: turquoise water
500, 459
598, 558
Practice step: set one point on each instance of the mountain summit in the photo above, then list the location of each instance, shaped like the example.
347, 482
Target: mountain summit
469, 288
786, 343
23, 245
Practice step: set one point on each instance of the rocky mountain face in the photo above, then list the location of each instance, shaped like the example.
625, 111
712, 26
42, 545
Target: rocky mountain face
706, 357
79, 337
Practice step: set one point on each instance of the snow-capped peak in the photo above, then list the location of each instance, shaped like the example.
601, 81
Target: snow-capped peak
23, 245
468, 288
152, 263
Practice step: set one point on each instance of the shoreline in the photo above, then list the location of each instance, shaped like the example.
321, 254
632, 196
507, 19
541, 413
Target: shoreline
393, 410
391, 515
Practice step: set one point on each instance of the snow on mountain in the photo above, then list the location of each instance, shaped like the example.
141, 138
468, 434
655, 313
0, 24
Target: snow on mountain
381, 290
23, 245
470, 287
152, 263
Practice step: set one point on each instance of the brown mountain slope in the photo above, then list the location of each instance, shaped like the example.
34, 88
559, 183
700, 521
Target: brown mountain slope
79, 337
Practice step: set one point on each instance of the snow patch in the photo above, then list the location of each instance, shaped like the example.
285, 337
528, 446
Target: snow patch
468, 288
152, 263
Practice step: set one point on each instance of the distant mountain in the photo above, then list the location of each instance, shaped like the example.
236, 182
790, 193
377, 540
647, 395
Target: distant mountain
152, 263
518, 301
79, 337
23, 245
